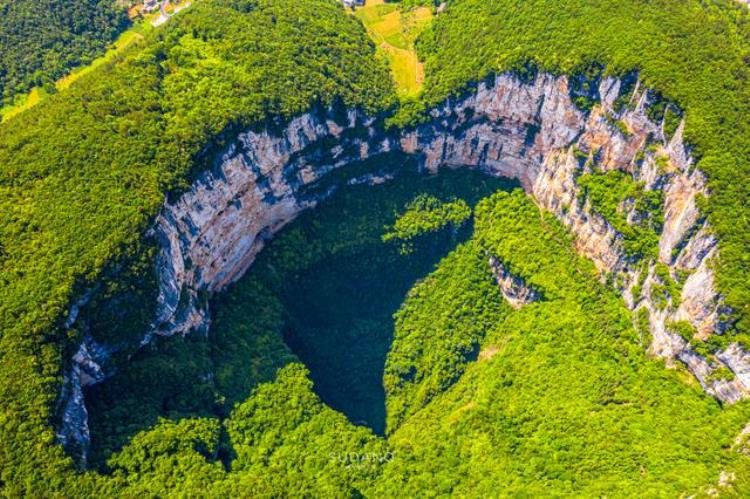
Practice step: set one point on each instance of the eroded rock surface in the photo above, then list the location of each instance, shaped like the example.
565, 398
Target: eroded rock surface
513, 288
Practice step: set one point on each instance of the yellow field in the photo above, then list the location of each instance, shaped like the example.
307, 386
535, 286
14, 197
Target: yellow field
394, 33
125, 40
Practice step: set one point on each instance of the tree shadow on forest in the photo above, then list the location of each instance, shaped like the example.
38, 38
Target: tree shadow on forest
340, 321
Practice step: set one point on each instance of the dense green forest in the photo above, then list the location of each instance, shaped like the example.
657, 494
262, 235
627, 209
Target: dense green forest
85, 171
42, 40
557, 397
562, 399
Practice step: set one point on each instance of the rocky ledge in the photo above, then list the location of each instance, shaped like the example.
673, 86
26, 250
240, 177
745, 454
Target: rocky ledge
527, 130
513, 288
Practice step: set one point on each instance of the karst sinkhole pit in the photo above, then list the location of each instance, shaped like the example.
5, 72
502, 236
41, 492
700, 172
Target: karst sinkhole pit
327, 284
530, 131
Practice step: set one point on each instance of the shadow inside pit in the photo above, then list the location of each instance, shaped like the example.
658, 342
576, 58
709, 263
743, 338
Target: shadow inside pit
340, 322
339, 304
324, 291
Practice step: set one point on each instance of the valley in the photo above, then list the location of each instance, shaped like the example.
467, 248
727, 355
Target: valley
315, 295
293, 249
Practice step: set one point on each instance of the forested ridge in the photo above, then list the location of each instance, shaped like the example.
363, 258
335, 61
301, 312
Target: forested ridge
83, 174
42, 40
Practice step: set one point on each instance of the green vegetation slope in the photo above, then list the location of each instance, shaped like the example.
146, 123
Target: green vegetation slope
83, 174
85, 171
41, 40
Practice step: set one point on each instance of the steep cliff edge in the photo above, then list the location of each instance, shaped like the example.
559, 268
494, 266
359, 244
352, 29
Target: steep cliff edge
531, 131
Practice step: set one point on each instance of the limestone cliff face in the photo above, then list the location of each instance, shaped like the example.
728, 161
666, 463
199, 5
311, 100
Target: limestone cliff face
513, 288
88, 366
530, 131
211, 235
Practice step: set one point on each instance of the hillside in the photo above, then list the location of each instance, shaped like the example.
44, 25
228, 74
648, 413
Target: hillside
695, 54
245, 256
40, 41
76, 201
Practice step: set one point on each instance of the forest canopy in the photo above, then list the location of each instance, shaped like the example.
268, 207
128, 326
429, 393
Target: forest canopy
42, 40
83, 174
85, 171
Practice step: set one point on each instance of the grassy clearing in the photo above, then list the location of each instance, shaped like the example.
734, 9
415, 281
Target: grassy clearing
35, 96
125, 40
394, 32
23, 103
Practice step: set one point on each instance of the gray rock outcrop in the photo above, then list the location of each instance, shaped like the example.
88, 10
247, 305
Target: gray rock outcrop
513, 288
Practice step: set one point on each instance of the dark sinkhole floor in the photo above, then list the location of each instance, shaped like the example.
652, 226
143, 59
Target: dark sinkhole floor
324, 291
340, 323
